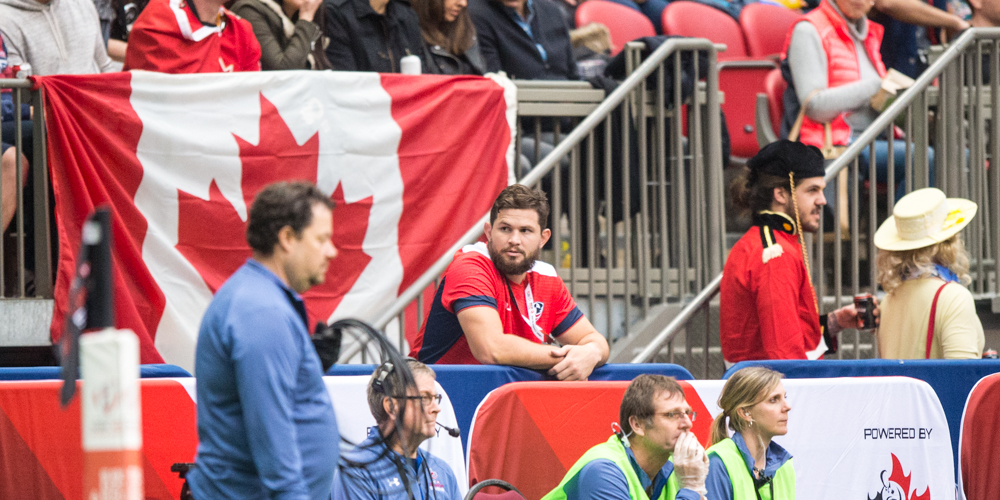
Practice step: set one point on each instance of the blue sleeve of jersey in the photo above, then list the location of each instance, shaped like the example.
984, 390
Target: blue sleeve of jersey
718, 484
686, 494
598, 480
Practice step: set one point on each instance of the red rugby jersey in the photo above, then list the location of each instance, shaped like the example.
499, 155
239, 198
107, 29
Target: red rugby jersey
169, 38
472, 280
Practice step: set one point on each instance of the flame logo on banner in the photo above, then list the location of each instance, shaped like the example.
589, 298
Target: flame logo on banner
897, 485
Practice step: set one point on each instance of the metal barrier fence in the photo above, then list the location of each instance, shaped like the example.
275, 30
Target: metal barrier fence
953, 121
26, 277
637, 201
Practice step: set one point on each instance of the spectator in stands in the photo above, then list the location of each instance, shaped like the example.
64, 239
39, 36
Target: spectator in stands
985, 13
449, 38
749, 464
634, 463
497, 305
920, 254
529, 39
8, 171
191, 36
838, 74
906, 23
8, 163
265, 422
389, 464
371, 35
55, 38
126, 12
287, 31
768, 307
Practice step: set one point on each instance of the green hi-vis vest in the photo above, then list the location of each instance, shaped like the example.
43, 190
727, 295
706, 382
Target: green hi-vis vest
614, 451
784, 479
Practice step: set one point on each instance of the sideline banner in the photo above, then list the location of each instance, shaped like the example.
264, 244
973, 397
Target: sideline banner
43, 458
412, 162
851, 438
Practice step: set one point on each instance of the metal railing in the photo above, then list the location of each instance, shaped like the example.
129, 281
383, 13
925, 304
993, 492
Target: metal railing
959, 116
637, 202
26, 277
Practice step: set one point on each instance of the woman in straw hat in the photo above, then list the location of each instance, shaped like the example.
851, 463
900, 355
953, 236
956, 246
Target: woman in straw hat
923, 267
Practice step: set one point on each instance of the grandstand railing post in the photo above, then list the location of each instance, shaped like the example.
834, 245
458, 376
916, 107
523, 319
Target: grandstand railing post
40, 177
19, 189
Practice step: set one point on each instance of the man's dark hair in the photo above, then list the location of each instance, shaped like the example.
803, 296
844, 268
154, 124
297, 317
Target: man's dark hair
278, 205
756, 196
638, 399
521, 197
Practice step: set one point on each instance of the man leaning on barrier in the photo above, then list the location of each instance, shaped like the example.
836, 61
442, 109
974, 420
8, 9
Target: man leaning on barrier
497, 305
768, 308
634, 464
266, 425
389, 464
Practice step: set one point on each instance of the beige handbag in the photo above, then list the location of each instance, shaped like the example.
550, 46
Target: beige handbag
830, 152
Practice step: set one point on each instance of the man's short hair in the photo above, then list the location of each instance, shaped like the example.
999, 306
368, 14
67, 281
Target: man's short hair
278, 205
638, 399
521, 197
391, 387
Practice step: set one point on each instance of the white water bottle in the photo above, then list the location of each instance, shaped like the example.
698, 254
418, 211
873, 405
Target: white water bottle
410, 65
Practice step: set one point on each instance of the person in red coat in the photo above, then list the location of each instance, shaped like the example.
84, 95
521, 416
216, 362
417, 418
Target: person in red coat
191, 36
768, 307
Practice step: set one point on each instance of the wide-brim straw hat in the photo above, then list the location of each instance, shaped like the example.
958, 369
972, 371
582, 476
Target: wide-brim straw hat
923, 218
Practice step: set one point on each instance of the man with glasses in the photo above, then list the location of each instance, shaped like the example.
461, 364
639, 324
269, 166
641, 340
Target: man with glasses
634, 464
389, 464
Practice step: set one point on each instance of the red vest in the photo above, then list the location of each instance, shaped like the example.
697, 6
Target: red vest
842, 66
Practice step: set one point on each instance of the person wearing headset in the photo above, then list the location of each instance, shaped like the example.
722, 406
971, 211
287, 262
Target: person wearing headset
750, 465
389, 465
635, 463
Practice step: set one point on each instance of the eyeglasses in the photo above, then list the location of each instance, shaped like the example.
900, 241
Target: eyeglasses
426, 398
675, 415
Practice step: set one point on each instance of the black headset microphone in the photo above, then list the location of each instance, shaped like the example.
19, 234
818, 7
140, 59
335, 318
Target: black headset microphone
452, 431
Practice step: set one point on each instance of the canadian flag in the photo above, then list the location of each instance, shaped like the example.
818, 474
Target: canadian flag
411, 161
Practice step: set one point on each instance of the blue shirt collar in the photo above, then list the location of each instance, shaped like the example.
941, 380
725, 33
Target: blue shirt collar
658, 482
774, 458
264, 271
528, 8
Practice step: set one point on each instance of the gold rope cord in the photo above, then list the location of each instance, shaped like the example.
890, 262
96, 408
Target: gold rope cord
802, 240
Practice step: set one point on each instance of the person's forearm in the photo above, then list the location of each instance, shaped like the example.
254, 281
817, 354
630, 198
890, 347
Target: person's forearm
919, 13
597, 341
515, 351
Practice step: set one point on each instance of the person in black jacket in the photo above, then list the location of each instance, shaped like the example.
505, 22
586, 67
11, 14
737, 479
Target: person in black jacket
449, 38
371, 35
528, 39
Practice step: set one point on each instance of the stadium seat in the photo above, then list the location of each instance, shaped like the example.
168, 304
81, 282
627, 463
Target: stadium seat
625, 24
979, 445
740, 77
766, 28
770, 108
510, 492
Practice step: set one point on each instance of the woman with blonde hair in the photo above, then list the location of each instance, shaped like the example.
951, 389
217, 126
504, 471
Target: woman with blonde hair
749, 465
923, 267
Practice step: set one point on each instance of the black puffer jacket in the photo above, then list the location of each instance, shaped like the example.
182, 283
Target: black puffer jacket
439, 61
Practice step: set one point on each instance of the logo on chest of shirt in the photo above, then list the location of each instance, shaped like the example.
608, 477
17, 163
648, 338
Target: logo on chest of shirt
539, 307
394, 482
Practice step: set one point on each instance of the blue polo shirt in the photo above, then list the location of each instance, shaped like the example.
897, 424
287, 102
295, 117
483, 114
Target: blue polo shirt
265, 421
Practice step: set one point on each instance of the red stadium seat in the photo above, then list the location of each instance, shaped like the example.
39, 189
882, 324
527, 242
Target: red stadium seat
979, 444
625, 24
766, 27
701, 21
740, 78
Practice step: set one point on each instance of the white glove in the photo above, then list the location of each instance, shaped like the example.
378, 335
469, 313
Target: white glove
690, 463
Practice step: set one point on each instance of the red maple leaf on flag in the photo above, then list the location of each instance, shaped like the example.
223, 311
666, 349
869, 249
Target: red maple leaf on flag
212, 237
903, 480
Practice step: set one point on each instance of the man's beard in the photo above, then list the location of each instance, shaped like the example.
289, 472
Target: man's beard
509, 268
804, 226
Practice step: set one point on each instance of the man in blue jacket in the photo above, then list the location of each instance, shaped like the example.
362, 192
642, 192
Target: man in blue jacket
265, 422
389, 465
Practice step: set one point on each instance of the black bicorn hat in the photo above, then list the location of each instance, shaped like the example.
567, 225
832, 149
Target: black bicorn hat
783, 157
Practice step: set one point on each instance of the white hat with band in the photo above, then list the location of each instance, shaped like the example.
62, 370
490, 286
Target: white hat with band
923, 218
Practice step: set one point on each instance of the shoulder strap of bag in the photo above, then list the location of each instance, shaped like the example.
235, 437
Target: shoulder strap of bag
793, 134
930, 324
